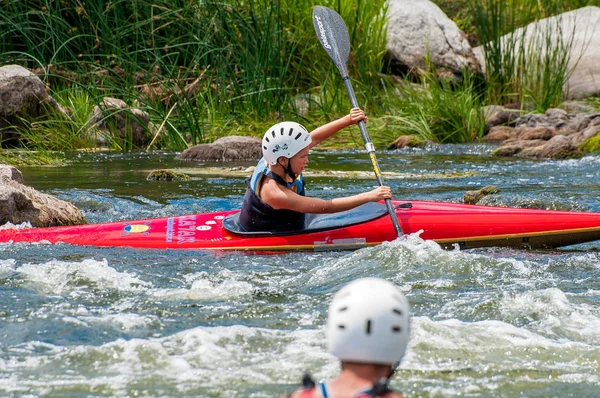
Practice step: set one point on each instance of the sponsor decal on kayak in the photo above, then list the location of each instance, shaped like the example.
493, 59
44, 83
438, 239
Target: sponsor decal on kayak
183, 229
136, 228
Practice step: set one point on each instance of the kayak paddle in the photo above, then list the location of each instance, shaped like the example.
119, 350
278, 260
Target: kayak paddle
333, 35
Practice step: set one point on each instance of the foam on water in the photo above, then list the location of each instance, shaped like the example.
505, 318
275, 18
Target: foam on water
10, 225
7, 267
205, 290
474, 356
550, 313
486, 323
70, 277
192, 361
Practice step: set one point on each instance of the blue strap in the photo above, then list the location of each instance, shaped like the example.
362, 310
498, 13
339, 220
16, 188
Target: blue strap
323, 387
262, 169
325, 393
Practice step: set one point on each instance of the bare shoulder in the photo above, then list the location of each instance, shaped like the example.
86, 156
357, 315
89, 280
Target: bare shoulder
273, 194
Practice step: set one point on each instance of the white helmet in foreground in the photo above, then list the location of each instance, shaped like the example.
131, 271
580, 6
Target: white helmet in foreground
368, 322
284, 139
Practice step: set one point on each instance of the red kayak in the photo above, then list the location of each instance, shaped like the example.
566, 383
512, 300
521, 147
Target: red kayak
449, 224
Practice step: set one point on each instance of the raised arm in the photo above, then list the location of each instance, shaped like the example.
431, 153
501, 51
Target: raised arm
320, 134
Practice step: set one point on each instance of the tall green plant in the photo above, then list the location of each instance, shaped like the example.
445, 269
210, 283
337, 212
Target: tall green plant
440, 110
525, 65
259, 54
548, 54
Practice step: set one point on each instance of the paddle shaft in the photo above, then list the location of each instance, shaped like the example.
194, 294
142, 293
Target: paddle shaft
371, 151
333, 35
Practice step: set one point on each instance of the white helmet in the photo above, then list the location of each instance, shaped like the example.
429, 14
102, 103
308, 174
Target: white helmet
368, 322
284, 139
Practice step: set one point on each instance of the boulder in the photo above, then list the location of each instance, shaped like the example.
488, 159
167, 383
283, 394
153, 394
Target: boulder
536, 133
225, 149
20, 203
407, 141
167, 175
558, 147
419, 30
22, 95
114, 117
499, 134
496, 115
473, 197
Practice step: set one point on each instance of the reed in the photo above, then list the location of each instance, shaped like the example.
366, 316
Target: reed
259, 54
440, 110
60, 132
524, 65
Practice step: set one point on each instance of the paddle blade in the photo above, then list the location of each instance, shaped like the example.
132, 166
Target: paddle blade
333, 35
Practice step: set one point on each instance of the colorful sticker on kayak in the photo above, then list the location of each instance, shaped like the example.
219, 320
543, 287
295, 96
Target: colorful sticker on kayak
136, 228
182, 229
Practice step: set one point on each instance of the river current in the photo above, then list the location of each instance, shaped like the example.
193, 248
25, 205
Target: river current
117, 322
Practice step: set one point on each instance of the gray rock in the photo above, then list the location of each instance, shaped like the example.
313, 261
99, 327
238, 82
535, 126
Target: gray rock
20, 91
587, 133
553, 135
20, 203
418, 29
499, 134
496, 115
407, 141
507, 150
225, 149
559, 147
22, 95
473, 197
114, 117
542, 133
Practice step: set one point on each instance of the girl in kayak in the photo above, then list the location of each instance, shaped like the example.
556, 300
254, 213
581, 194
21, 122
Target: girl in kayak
368, 330
275, 200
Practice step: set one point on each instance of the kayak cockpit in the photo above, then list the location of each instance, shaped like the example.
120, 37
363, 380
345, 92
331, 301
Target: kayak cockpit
316, 222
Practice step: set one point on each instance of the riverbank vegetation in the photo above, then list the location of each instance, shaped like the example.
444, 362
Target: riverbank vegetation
205, 69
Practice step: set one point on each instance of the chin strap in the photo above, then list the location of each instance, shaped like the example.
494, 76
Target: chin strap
288, 170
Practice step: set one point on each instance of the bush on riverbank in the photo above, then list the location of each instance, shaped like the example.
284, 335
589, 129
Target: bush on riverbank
202, 70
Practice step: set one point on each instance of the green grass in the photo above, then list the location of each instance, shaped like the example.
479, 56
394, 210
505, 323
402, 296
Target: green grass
440, 110
251, 57
28, 158
238, 66
59, 131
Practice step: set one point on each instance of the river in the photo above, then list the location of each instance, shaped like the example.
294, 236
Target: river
117, 322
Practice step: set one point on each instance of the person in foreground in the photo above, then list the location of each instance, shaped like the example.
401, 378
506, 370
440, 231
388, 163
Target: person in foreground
368, 330
275, 200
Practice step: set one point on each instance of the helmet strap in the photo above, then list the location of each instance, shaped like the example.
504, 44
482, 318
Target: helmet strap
288, 169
